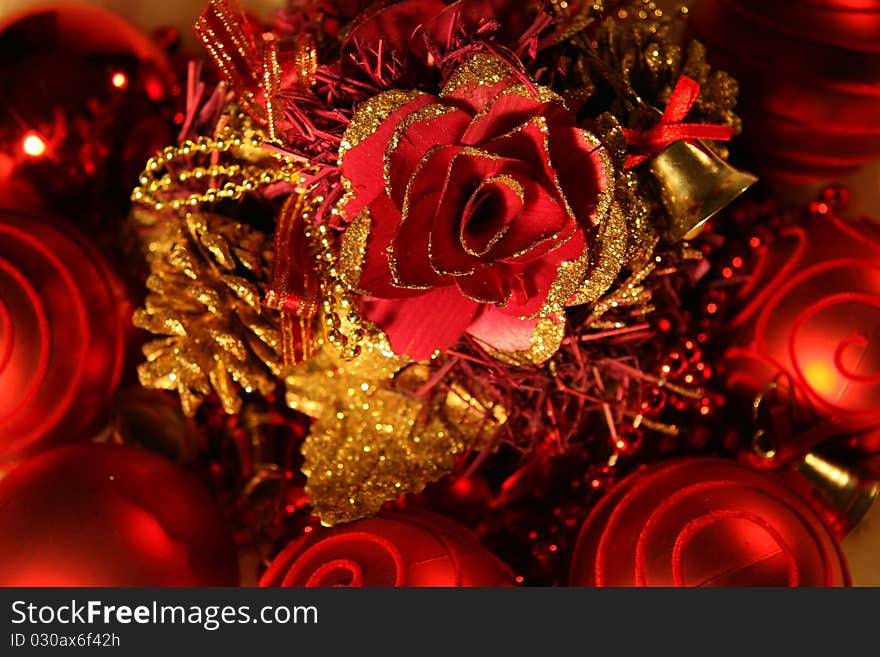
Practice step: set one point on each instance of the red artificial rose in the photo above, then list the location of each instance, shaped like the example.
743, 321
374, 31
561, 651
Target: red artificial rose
476, 211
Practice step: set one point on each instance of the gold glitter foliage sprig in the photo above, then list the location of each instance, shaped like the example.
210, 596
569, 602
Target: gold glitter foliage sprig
206, 282
377, 434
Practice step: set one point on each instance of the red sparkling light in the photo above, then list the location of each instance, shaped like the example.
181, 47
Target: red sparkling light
119, 80
33, 145
462, 487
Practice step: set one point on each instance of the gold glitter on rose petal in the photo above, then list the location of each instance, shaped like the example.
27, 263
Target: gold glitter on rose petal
353, 249
370, 116
611, 254
425, 113
478, 71
571, 274
545, 341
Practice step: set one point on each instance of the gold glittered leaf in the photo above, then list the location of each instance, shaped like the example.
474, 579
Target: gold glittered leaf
376, 435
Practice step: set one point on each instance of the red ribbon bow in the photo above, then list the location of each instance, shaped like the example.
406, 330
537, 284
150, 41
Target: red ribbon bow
255, 67
669, 129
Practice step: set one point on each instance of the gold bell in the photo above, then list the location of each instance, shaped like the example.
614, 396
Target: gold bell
842, 489
694, 183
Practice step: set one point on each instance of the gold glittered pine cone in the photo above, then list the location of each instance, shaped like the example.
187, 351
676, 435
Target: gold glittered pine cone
207, 279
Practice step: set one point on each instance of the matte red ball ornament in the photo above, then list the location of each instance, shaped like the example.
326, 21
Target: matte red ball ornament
413, 548
705, 522
107, 515
809, 76
803, 361
64, 321
85, 102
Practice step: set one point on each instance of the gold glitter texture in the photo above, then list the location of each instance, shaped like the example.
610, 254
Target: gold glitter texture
376, 434
611, 255
543, 343
371, 115
478, 71
207, 277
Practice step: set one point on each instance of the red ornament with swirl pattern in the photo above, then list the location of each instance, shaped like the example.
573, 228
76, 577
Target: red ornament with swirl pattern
414, 548
107, 515
705, 522
809, 75
805, 347
64, 321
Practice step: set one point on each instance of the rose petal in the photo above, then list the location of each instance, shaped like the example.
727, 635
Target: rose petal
428, 126
410, 247
584, 170
533, 282
529, 143
476, 81
489, 284
513, 107
362, 149
463, 176
488, 213
540, 226
418, 326
501, 332
376, 277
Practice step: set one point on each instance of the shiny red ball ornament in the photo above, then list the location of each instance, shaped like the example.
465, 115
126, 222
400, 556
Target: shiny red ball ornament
413, 548
64, 323
85, 103
705, 522
802, 363
809, 77
108, 515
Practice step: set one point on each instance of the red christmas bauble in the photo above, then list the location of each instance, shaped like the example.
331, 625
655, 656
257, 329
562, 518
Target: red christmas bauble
809, 74
414, 548
107, 515
705, 522
64, 321
805, 344
85, 103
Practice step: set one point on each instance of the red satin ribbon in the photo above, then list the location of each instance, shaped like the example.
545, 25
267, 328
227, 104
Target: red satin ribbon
294, 289
249, 63
644, 144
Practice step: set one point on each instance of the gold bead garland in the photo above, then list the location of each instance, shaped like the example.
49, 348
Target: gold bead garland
254, 167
